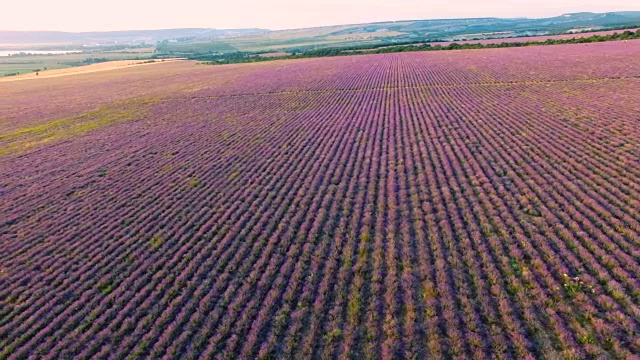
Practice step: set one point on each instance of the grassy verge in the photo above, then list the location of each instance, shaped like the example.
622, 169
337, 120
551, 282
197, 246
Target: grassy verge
23, 139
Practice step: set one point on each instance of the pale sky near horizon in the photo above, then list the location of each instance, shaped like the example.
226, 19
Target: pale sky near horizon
76, 15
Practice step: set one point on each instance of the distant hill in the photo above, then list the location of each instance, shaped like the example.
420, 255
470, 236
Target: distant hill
406, 31
448, 28
210, 40
112, 37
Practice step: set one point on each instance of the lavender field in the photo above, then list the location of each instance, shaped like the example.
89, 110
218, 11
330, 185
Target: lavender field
458, 204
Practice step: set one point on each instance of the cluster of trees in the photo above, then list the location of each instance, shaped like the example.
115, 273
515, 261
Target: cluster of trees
95, 60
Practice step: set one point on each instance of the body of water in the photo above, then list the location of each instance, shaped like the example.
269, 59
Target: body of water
36, 52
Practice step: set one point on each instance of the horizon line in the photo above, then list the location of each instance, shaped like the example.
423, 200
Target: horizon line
312, 27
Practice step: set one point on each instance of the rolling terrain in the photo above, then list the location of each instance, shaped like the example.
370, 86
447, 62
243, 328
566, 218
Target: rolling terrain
394, 32
209, 40
455, 204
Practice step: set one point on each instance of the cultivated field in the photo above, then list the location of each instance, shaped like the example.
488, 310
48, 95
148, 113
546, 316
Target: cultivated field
32, 63
455, 204
521, 39
536, 38
103, 66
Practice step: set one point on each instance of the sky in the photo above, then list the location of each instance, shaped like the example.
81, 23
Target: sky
83, 15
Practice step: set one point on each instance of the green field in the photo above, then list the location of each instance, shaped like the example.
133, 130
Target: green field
196, 48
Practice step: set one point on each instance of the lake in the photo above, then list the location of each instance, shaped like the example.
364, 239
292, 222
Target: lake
37, 52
